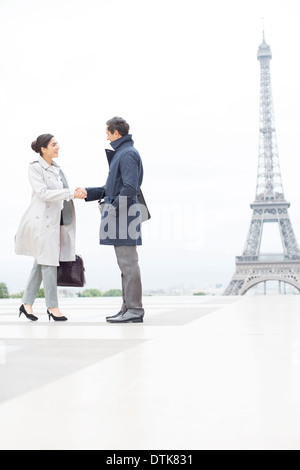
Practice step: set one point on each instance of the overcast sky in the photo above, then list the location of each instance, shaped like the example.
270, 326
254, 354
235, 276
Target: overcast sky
185, 75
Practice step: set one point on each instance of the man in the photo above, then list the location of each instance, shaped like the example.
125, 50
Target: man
122, 215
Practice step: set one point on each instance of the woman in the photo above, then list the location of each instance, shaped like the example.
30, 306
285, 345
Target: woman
47, 229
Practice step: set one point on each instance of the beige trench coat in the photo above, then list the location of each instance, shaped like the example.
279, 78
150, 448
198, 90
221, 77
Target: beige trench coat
40, 234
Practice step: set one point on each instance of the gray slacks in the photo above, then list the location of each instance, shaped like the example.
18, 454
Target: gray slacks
47, 274
127, 258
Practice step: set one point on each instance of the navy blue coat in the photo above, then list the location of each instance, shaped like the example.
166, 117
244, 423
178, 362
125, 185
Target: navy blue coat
121, 212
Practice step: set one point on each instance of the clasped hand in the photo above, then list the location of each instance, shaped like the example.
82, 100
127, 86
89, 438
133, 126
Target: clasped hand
80, 193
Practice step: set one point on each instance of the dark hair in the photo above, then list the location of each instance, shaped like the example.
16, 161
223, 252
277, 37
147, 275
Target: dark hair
42, 141
118, 124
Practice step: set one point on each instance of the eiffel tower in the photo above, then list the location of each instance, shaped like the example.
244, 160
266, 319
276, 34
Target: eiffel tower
269, 206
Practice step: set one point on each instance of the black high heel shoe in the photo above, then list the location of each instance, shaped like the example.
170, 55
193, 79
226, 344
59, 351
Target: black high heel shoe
27, 315
55, 318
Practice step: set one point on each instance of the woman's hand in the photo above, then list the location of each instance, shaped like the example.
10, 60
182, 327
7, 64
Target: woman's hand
80, 193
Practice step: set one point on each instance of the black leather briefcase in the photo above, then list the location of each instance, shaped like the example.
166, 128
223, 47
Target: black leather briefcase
71, 273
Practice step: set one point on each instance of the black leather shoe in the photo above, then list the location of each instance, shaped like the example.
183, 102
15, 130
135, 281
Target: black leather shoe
126, 317
50, 314
29, 316
119, 314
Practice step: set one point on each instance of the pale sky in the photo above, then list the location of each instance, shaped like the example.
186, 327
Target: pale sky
184, 74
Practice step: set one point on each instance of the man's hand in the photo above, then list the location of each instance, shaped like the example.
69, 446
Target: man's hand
80, 193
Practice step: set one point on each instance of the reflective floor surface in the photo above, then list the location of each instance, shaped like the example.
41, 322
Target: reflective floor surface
199, 373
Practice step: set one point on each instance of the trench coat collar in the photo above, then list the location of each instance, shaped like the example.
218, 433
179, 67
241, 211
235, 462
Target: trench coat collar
46, 165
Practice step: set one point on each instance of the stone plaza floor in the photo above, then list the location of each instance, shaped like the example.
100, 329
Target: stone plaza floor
199, 373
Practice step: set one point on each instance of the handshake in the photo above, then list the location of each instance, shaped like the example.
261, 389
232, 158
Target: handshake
80, 193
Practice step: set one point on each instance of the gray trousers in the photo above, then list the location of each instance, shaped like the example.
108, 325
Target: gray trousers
127, 259
47, 274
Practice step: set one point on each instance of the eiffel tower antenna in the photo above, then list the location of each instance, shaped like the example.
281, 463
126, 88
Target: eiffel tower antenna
269, 206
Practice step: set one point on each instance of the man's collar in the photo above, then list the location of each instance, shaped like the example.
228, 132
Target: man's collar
117, 143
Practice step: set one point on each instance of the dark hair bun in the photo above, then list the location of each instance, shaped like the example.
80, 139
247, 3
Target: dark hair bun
34, 146
42, 141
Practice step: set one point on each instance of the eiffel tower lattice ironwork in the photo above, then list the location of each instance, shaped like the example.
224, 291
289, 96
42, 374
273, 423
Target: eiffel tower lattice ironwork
269, 206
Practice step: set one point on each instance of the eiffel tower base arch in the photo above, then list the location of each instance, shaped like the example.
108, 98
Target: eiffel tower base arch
248, 274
